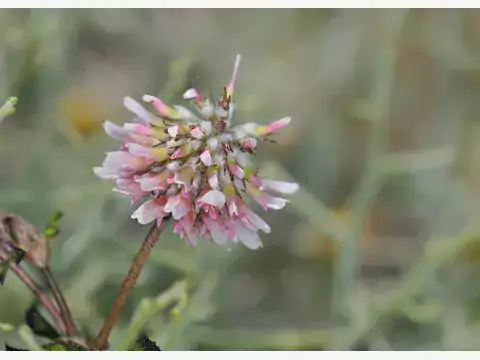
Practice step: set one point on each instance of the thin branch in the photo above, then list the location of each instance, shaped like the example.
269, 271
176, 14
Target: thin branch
42, 298
127, 285
60, 300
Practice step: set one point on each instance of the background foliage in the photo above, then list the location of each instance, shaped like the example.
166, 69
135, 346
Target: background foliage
377, 251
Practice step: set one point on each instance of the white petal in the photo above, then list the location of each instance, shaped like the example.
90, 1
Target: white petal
115, 131
206, 127
186, 114
172, 202
248, 237
147, 212
276, 203
104, 173
214, 197
137, 109
173, 131
257, 220
180, 210
190, 94
218, 235
283, 187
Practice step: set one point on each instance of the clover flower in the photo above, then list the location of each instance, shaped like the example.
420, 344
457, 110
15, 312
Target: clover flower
190, 164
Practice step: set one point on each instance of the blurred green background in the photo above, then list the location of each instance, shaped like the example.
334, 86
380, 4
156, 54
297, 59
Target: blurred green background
378, 250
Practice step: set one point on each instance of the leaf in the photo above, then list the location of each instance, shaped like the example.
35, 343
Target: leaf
11, 348
143, 343
19, 233
52, 230
5, 266
63, 346
8, 108
39, 325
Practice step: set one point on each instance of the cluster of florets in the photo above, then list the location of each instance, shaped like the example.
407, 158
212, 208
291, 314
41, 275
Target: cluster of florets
190, 165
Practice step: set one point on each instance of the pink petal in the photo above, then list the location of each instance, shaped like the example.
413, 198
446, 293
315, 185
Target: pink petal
206, 158
196, 133
152, 182
158, 154
231, 85
163, 109
274, 126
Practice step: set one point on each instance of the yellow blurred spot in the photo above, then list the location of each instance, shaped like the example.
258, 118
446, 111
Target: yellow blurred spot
81, 115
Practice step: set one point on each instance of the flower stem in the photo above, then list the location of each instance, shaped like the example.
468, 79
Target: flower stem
62, 304
42, 298
127, 285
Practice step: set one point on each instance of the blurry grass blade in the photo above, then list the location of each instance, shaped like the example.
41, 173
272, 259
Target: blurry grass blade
278, 339
320, 217
392, 164
39, 325
8, 108
148, 308
438, 253
4, 327
199, 308
143, 343
28, 338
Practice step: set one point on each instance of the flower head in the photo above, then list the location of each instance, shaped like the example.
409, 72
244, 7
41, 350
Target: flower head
190, 164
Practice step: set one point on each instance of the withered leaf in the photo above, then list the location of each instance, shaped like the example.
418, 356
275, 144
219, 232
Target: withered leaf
21, 234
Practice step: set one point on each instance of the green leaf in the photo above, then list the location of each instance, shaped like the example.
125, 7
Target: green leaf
39, 325
8, 108
143, 343
52, 230
11, 348
63, 346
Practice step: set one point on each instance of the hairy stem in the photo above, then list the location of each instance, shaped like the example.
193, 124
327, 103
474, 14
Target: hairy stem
60, 300
127, 285
42, 298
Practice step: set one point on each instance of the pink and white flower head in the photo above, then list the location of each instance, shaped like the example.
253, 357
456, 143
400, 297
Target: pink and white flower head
192, 166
